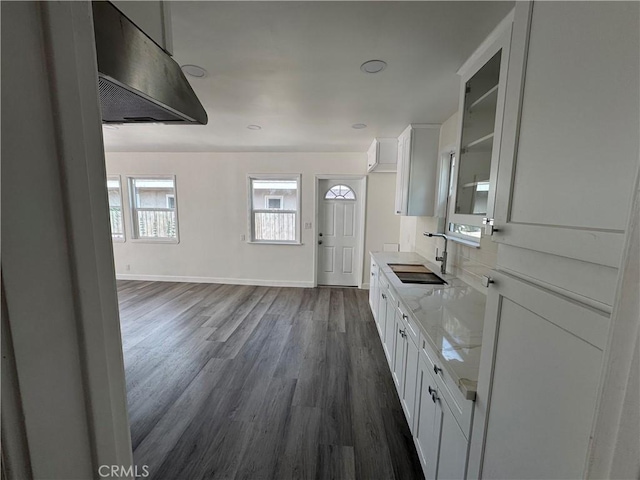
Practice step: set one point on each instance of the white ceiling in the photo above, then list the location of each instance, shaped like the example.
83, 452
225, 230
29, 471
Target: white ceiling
294, 69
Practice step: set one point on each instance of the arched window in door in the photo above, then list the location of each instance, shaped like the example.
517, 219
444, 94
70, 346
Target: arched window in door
340, 192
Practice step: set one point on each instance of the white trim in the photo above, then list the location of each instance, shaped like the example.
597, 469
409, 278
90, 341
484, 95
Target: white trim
365, 286
228, 281
618, 364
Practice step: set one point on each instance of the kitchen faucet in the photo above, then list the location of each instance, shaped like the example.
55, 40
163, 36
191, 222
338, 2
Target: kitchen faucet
442, 258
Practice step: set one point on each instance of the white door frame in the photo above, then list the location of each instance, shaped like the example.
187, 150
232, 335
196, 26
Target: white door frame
361, 224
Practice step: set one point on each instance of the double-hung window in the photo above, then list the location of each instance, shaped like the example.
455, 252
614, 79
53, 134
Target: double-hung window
274, 208
114, 191
154, 208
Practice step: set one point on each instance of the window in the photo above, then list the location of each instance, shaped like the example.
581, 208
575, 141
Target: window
340, 192
274, 204
115, 208
153, 208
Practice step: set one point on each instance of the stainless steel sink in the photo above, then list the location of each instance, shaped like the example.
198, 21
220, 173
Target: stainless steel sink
420, 278
419, 274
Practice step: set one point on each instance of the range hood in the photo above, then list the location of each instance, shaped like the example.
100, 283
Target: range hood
139, 82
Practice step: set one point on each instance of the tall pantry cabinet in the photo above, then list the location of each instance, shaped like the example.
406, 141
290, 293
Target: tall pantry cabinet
568, 159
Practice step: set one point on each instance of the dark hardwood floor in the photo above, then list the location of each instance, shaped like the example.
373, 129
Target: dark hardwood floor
248, 382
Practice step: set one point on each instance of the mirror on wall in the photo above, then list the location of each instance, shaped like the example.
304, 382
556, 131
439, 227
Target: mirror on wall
478, 123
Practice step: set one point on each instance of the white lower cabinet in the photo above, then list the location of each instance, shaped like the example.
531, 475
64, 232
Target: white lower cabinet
410, 380
440, 442
452, 460
426, 431
388, 342
438, 415
399, 349
374, 290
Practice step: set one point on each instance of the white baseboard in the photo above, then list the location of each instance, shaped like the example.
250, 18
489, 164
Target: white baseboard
365, 286
228, 281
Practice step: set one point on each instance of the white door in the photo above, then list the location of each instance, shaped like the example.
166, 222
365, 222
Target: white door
339, 231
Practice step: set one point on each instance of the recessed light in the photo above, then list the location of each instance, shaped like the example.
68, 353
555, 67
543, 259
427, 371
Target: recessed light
109, 127
194, 71
373, 66
254, 127
359, 126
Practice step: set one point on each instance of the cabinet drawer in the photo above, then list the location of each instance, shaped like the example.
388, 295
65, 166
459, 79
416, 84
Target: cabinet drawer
461, 408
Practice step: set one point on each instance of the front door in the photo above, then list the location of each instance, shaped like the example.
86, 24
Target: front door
339, 231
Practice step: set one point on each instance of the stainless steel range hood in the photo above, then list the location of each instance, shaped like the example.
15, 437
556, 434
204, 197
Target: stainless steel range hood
139, 82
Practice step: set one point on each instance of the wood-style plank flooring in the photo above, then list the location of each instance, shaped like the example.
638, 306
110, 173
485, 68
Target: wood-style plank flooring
247, 382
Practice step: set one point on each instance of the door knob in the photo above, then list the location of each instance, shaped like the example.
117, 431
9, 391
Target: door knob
437, 369
319, 242
320, 234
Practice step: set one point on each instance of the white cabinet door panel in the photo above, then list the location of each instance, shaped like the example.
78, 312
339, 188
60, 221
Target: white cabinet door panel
452, 462
537, 390
410, 381
428, 422
570, 141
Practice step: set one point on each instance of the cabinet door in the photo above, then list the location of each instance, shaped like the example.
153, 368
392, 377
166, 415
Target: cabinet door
452, 461
410, 381
402, 175
374, 289
481, 109
389, 330
570, 141
399, 349
428, 422
381, 320
539, 372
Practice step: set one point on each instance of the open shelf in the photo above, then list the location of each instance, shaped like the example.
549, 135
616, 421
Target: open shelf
482, 144
490, 96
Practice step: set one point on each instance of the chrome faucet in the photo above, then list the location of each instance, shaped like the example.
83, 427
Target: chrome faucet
442, 258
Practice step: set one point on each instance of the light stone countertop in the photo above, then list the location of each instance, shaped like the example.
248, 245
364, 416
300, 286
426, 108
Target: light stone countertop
451, 317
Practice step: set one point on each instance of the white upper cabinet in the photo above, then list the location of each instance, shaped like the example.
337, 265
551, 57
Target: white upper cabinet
416, 180
382, 155
570, 141
475, 167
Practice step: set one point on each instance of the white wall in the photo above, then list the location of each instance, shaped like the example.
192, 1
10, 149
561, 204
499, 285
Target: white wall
383, 225
468, 263
212, 214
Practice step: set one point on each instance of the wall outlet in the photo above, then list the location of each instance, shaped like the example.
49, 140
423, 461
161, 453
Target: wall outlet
243, 238
308, 225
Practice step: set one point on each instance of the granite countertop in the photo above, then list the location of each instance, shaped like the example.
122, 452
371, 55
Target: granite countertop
451, 317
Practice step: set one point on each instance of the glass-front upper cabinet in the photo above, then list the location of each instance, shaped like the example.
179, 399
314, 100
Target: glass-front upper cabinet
474, 170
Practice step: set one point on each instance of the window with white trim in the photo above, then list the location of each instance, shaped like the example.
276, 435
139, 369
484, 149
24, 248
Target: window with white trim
154, 210
114, 190
274, 208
